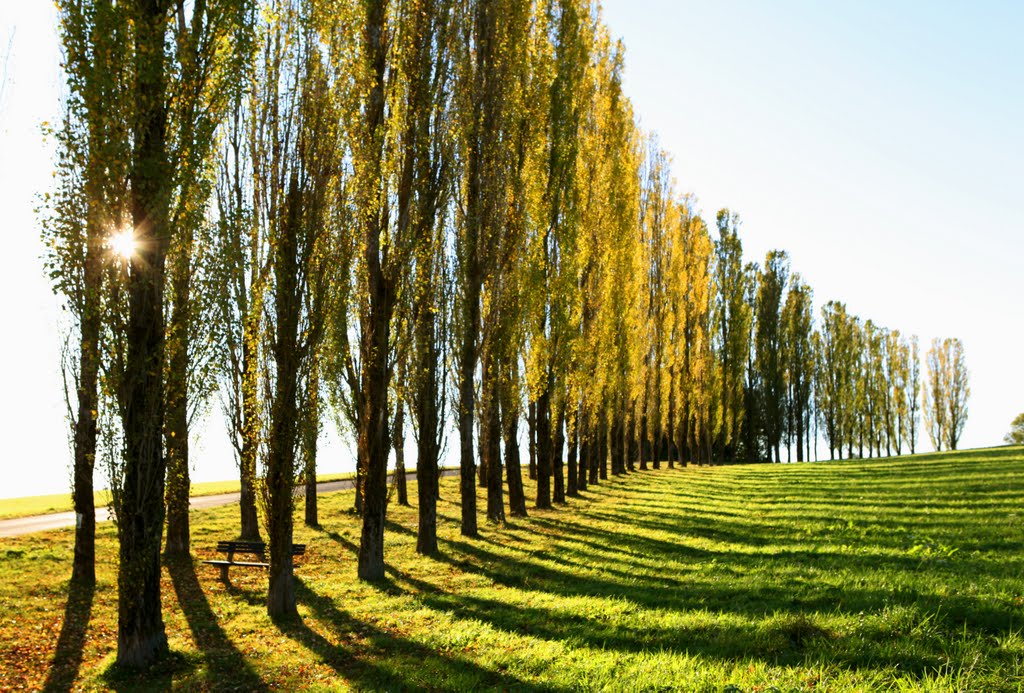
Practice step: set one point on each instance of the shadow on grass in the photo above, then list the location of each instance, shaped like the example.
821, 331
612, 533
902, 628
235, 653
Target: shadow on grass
161, 676
71, 642
378, 660
777, 619
227, 666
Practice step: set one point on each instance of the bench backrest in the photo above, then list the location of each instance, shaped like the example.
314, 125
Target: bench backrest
257, 547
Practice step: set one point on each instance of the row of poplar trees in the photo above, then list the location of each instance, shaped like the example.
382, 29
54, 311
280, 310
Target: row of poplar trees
402, 215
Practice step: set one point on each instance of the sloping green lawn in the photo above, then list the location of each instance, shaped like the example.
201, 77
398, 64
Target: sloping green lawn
878, 575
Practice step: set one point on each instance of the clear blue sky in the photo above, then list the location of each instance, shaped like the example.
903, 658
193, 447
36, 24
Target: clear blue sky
880, 143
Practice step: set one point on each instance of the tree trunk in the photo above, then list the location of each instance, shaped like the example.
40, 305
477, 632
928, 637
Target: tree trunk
605, 448
374, 430
619, 446
531, 423
141, 638
584, 454
544, 444
643, 444
467, 365
627, 443
558, 468
310, 434
427, 453
250, 526
510, 424
401, 487
176, 424
426, 416
490, 436
800, 435
83, 567
284, 411
375, 319
572, 473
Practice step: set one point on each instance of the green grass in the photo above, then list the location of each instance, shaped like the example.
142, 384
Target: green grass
61, 502
877, 575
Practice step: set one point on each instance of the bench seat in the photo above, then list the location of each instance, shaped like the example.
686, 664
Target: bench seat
258, 548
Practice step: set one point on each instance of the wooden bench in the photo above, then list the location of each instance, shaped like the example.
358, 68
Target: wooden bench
254, 547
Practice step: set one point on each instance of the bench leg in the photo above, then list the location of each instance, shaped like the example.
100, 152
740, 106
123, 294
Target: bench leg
224, 573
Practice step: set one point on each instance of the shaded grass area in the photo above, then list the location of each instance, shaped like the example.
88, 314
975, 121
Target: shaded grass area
900, 574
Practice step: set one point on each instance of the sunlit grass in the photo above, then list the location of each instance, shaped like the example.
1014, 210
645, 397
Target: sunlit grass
883, 575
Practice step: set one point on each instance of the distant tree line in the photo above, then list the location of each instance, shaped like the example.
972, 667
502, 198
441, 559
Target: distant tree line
401, 216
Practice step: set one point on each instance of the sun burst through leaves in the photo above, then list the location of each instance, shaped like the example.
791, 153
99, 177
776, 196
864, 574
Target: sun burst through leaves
123, 243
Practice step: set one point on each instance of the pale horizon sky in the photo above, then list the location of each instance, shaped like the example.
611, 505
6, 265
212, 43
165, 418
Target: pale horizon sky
879, 144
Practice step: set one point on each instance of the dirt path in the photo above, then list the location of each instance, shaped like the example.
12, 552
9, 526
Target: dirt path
41, 523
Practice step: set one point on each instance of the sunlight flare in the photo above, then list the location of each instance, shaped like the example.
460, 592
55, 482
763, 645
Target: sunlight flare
123, 243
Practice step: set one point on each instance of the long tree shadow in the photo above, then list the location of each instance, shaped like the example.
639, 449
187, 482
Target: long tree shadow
227, 667
71, 642
379, 660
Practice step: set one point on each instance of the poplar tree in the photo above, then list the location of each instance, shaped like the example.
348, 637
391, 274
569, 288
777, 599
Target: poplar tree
555, 243
768, 338
139, 498
655, 209
211, 48
88, 209
798, 356
733, 319
382, 252
429, 151
486, 85
914, 386
946, 392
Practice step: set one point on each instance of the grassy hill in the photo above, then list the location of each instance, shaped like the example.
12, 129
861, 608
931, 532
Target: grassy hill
901, 574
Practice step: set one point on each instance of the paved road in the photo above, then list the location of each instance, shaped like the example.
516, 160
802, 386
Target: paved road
41, 523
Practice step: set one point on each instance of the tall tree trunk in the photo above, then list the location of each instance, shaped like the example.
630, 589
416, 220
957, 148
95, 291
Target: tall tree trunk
284, 413
310, 434
83, 567
141, 638
619, 446
572, 473
544, 444
490, 436
799, 433
401, 487
643, 444
510, 424
605, 448
467, 366
426, 415
482, 454
531, 424
598, 446
250, 526
176, 423
558, 468
629, 444
584, 453
374, 430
